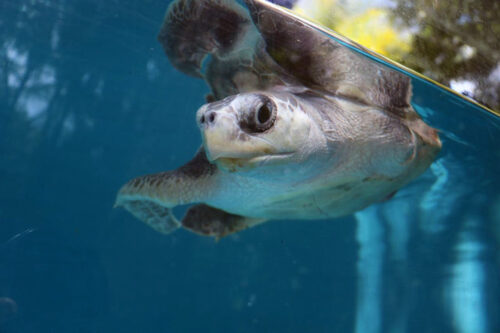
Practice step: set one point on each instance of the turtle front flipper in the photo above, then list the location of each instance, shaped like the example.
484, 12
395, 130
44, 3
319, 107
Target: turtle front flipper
154, 214
208, 221
216, 40
151, 198
195, 29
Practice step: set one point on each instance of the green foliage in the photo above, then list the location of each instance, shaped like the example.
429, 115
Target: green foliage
455, 40
448, 41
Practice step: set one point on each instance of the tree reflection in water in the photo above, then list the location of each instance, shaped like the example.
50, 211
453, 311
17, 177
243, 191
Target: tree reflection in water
455, 43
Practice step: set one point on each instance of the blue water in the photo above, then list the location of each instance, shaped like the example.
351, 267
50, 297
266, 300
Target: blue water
88, 100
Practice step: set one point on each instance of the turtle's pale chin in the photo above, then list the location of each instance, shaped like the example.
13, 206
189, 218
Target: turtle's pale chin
236, 155
230, 144
233, 164
233, 152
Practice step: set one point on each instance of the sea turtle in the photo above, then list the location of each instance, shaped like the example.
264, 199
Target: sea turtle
297, 125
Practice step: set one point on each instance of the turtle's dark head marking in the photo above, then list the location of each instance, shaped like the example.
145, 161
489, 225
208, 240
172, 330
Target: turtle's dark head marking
256, 116
261, 117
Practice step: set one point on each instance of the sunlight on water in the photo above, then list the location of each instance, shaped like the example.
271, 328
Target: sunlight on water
468, 285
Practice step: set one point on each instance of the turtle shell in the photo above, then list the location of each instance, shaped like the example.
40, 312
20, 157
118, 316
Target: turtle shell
263, 46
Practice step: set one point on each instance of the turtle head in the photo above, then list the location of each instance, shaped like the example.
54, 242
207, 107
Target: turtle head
249, 130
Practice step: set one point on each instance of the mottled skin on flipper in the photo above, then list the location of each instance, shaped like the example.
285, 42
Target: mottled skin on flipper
216, 40
194, 29
208, 221
189, 183
151, 198
157, 216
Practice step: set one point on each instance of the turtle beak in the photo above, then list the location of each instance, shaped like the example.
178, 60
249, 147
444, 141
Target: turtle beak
233, 143
223, 137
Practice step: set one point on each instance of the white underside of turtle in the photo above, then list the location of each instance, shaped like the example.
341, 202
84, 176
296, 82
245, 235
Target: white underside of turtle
298, 126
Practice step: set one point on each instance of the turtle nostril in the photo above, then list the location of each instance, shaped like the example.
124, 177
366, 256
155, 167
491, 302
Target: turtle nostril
211, 117
202, 119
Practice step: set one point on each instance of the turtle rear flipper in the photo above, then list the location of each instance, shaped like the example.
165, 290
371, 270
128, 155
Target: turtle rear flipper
209, 221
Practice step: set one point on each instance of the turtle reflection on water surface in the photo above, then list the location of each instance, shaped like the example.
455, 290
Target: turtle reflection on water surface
299, 127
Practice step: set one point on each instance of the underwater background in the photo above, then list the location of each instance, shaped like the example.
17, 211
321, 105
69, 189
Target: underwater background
88, 100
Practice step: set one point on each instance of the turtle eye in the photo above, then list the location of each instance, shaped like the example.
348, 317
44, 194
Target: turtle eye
263, 114
261, 117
